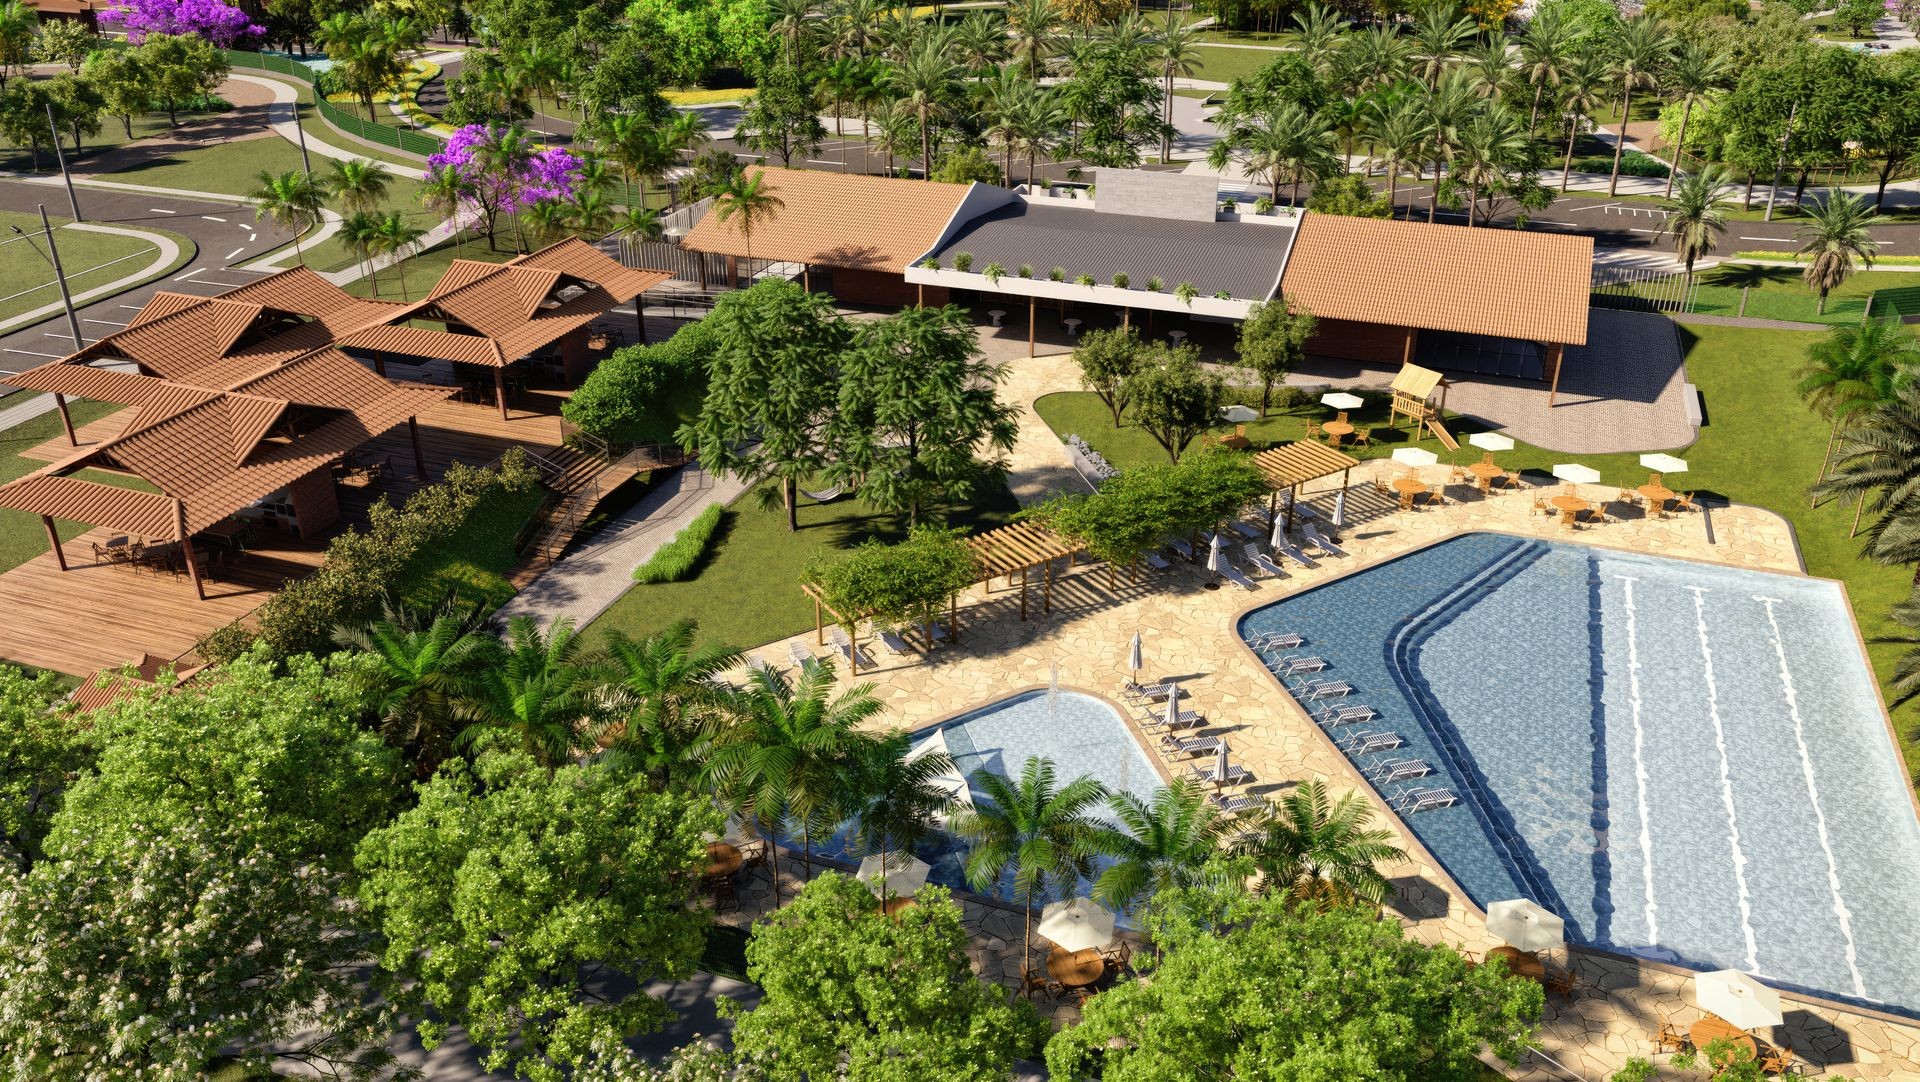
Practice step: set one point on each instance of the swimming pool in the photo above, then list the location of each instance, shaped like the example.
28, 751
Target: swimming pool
1687, 762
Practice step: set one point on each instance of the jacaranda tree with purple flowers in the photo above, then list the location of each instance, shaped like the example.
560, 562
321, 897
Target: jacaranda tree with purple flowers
220, 23
498, 169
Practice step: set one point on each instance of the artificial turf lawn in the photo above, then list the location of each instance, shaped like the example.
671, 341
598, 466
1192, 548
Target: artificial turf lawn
21, 535
90, 259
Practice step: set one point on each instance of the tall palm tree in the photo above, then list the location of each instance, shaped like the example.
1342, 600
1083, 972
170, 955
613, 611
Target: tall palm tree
982, 40
1640, 51
747, 198
1582, 90
1696, 70
291, 199
787, 747
667, 696
1176, 51
1696, 215
1162, 843
1284, 144
419, 675
1033, 25
1399, 133
1491, 65
590, 213
1321, 32
1448, 108
636, 225
1838, 230
1491, 147
1439, 31
1379, 55
1313, 846
443, 191
18, 25
854, 27
792, 25
539, 689
894, 797
1039, 833
1879, 469
1547, 52
1038, 123
396, 235
1854, 369
927, 84
360, 232
359, 185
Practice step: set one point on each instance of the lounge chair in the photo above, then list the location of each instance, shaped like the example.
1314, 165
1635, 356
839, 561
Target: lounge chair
1321, 541
1367, 741
1247, 529
1180, 546
1421, 799
1191, 746
848, 648
1311, 690
1157, 561
1389, 770
1276, 640
1153, 693
894, 643
1292, 552
1234, 805
1294, 664
800, 655
1260, 561
756, 663
1337, 714
1236, 576
1236, 775
1186, 719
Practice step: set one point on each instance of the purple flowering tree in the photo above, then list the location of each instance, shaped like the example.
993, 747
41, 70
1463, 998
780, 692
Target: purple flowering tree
220, 23
497, 169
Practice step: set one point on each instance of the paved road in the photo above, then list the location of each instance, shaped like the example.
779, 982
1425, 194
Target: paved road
225, 233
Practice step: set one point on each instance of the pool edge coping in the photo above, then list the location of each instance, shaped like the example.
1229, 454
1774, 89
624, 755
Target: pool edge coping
1419, 848
1140, 738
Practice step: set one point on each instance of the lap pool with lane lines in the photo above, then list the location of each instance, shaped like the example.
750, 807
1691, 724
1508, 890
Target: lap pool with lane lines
1688, 762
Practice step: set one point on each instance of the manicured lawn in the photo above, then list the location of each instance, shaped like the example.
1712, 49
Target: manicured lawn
111, 135
1778, 293
1761, 446
748, 590
423, 270
227, 168
21, 535
90, 259
1226, 65
474, 560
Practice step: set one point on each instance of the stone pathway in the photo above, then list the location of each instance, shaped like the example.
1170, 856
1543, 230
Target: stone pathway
596, 571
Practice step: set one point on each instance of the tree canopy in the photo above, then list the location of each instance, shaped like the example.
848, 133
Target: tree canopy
1273, 341
1174, 399
908, 582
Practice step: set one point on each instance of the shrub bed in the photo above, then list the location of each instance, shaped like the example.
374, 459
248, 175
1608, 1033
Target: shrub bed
623, 400
1632, 164
675, 560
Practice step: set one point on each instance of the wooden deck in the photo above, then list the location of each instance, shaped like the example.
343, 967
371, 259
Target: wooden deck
99, 616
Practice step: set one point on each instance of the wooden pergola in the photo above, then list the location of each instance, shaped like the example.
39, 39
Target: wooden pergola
1287, 468
1019, 548
822, 609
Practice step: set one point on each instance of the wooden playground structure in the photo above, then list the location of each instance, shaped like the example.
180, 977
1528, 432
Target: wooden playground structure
1413, 391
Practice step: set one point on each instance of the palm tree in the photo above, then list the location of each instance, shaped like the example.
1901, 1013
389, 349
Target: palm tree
1286, 143
1583, 89
1906, 671
1321, 30
668, 694
1854, 369
396, 237
590, 213
638, 225
1639, 52
1164, 843
539, 689
1696, 216
1040, 834
1490, 147
927, 83
1449, 107
1837, 231
894, 797
1695, 71
291, 199
982, 40
1037, 123
1438, 33
787, 747
746, 197
1032, 25
443, 191
1379, 56
1313, 846
1491, 65
419, 675
792, 23
1547, 52
854, 24
1177, 53
18, 25
1879, 469
359, 185
1399, 135
360, 232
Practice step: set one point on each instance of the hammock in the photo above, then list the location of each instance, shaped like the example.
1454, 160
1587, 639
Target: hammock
824, 494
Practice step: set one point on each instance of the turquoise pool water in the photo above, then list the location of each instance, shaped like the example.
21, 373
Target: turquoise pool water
1687, 762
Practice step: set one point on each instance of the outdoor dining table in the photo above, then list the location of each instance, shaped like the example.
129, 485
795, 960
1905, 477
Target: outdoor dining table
1570, 503
1337, 430
1485, 472
1409, 486
1657, 495
897, 903
1520, 963
723, 859
1076, 969
1715, 1028
1236, 441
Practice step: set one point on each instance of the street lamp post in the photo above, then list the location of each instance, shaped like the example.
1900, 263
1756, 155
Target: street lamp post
52, 256
73, 201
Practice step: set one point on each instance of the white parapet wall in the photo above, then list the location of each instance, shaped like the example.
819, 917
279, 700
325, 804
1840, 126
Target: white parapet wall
1044, 289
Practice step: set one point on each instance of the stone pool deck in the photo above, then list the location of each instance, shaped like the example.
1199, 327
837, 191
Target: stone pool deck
1187, 631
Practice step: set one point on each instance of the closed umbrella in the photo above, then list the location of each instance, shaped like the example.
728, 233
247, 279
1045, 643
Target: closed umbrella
904, 874
1526, 925
1415, 456
1279, 538
1737, 998
1341, 400
1217, 554
1577, 473
1240, 415
1340, 509
1173, 704
1491, 441
1220, 763
1133, 655
1076, 924
1664, 463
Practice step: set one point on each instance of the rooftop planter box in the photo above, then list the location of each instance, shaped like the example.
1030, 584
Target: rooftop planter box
1040, 287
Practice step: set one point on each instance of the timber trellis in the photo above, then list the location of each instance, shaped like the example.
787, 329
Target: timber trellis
1018, 549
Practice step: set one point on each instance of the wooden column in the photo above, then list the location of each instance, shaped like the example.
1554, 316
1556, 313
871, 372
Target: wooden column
806, 277
53, 539
66, 419
419, 460
500, 390
640, 315
1023, 592
920, 295
1293, 497
1553, 368
1406, 353
1033, 315
379, 365
819, 627
1126, 316
1046, 589
186, 550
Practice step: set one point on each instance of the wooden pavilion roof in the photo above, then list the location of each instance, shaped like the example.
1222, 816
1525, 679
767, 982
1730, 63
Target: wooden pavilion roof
1301, 461
1021, 545
1416, 381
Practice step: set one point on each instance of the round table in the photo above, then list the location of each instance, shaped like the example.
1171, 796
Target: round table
1520, 963
996, 315
1073, 327
1570, 503
723, 859
1236, 441
1658, 495
1409, 486
1714, 1028
1177, 337
1337, 429
1076, 969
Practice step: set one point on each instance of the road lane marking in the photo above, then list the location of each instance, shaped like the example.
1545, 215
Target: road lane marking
189, 274
211, 218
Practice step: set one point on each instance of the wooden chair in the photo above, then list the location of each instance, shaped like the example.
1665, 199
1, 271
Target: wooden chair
1540, 504
1570, 519
1685, 503
1381, 486
1342, 418
1038, 981
1363, 437
1561, 982
1778, 1061
1406, 501
724, 896
1510, 479
1119, 957
1629, 497
1672, 1039
1315, 432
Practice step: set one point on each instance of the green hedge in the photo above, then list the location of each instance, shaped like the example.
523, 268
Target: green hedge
675, 560
364, 566
1632, 164
623, 399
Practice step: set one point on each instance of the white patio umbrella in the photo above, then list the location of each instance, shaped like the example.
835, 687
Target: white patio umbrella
1220, 763
1240, 415
1664, 463
1217, 554
1576, 473
1737, 998
1341, 400
1173, 703
1340, 509
905, 873
1279, 538
1415, 456
1076, 924
1133, 654
1526, 925
1491, 441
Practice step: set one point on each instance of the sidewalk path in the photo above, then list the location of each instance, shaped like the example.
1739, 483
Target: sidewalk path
166, 251
281, 120
593, 575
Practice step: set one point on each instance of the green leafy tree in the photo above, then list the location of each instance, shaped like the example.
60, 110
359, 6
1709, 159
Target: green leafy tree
291, 199
1273, 342
1348, 195
532, 907
41, 750
1174, 399
919, 419
1169, 841
191, 898
669, 699
912, 581
1854, 369
1288, 144
1838, 230
125, 89
1273, 990
65, 41
623, 81
1696, 215
771, 380
1108, 358
782, 120
77, 106
1207, 489
1892, 128
849, 993
1695, 72
18, 23
1316, 848
1033, 834
965, 165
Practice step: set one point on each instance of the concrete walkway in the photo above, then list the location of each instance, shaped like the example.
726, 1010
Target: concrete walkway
281, 120
166, 251
593, 575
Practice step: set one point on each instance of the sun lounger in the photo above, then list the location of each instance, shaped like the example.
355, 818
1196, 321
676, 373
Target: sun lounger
1157, 561
1186, 719
1367, 741
1418, 800
1338, 715
1390, 770
847, 648
1259, 561
1322, 689
1234, 805
1237, 577
895, 643
799, 655
1292, 552
1153, 693
1321, 541
1190, 746
1185, 550
756, 663
1236, 775
1276, 640
1247, 530
1293, 664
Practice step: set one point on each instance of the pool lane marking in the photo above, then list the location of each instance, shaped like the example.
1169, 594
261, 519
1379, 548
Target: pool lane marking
1792, 696
1726, 778
1639, 756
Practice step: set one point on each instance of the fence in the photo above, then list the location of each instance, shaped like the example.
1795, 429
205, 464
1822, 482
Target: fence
1639, 289
402, 139
1734, 290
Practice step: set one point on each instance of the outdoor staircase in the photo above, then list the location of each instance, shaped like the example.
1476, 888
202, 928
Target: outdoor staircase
1440, 433
581, 475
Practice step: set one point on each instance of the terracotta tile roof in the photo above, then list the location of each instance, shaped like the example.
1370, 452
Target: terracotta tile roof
427, 342
1443, 277
163, 303
459, 273
85, 381
327, 378
582, 261
836, 220
143, 514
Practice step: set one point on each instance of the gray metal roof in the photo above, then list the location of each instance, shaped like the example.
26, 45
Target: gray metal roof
1243, 258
